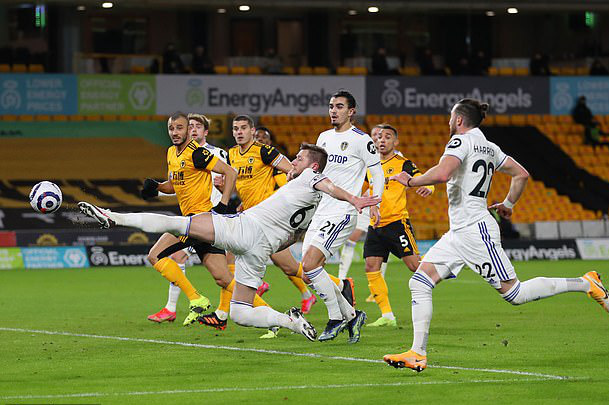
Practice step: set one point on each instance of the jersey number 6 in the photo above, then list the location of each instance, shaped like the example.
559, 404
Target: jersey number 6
299, 216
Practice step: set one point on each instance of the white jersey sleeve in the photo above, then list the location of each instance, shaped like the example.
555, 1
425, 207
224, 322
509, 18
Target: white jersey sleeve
290, 208
458, 147
368, 152
216, 195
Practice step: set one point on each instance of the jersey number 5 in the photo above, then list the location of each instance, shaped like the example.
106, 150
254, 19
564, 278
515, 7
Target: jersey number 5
486, 170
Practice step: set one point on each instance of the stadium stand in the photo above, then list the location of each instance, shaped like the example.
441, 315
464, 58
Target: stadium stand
422, 139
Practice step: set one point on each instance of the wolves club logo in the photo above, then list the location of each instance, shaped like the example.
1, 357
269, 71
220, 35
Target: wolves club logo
344, 145
250, 160
182, 163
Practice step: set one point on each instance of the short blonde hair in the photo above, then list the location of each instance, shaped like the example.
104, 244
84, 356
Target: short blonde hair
200, 118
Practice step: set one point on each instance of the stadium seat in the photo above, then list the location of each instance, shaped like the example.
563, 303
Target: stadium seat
266, 120
359, 70
42, 118
582, 71
318, 119
109, 117
9, 117
36, 68
410, 71
421, 119
305, 70
139, 69
521, 71
321, 70
493, 71
533, 119
439, 119
389, 119
283, 119
567, 71
93, 117
288, 70
19, 68
5, 68
59, 118
221, 70
76, 117
254, 70
506, 71
518, 120
343, 70
26, 118
237, 70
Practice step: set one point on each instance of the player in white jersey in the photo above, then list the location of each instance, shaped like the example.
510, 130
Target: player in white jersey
361, 227
198, 128
253, 235
351, 153
473, 239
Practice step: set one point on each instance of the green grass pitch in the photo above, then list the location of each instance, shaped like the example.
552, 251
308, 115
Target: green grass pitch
480, 348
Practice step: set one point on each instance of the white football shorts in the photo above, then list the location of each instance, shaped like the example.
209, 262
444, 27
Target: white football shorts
240, 235
329, 234
363, 220
479, 247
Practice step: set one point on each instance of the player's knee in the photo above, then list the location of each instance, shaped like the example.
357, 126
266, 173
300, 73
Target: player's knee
420, 283
239, 313
412, 263
153, 258
371, 267
515, 295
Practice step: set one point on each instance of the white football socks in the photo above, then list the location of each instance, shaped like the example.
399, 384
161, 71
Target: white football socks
543, 287
153, 223
346, 258
383, 269
422, 310
174, 293
260, 317
326, 289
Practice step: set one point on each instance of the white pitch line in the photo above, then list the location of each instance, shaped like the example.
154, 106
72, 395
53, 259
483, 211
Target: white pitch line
267, 351
294, 387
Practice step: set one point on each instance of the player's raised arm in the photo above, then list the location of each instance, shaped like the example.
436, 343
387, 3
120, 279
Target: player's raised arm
519, 181
333, 190
229, 180
440, 173
203, 159
152, 188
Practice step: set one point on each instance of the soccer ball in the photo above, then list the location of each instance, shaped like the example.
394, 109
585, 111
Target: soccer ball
45, 197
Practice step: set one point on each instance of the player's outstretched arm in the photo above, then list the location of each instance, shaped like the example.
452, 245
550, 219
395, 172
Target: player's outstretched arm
230, 177
284, 165
440, 173
333, 190
519, 181
152, 188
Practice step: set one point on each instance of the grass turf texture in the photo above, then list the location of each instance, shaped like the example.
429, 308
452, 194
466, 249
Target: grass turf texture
472, 328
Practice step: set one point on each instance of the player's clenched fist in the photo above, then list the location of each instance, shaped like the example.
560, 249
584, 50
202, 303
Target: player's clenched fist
150, 189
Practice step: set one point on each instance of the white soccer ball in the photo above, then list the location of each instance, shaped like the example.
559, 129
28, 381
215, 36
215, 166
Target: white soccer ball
45, 197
